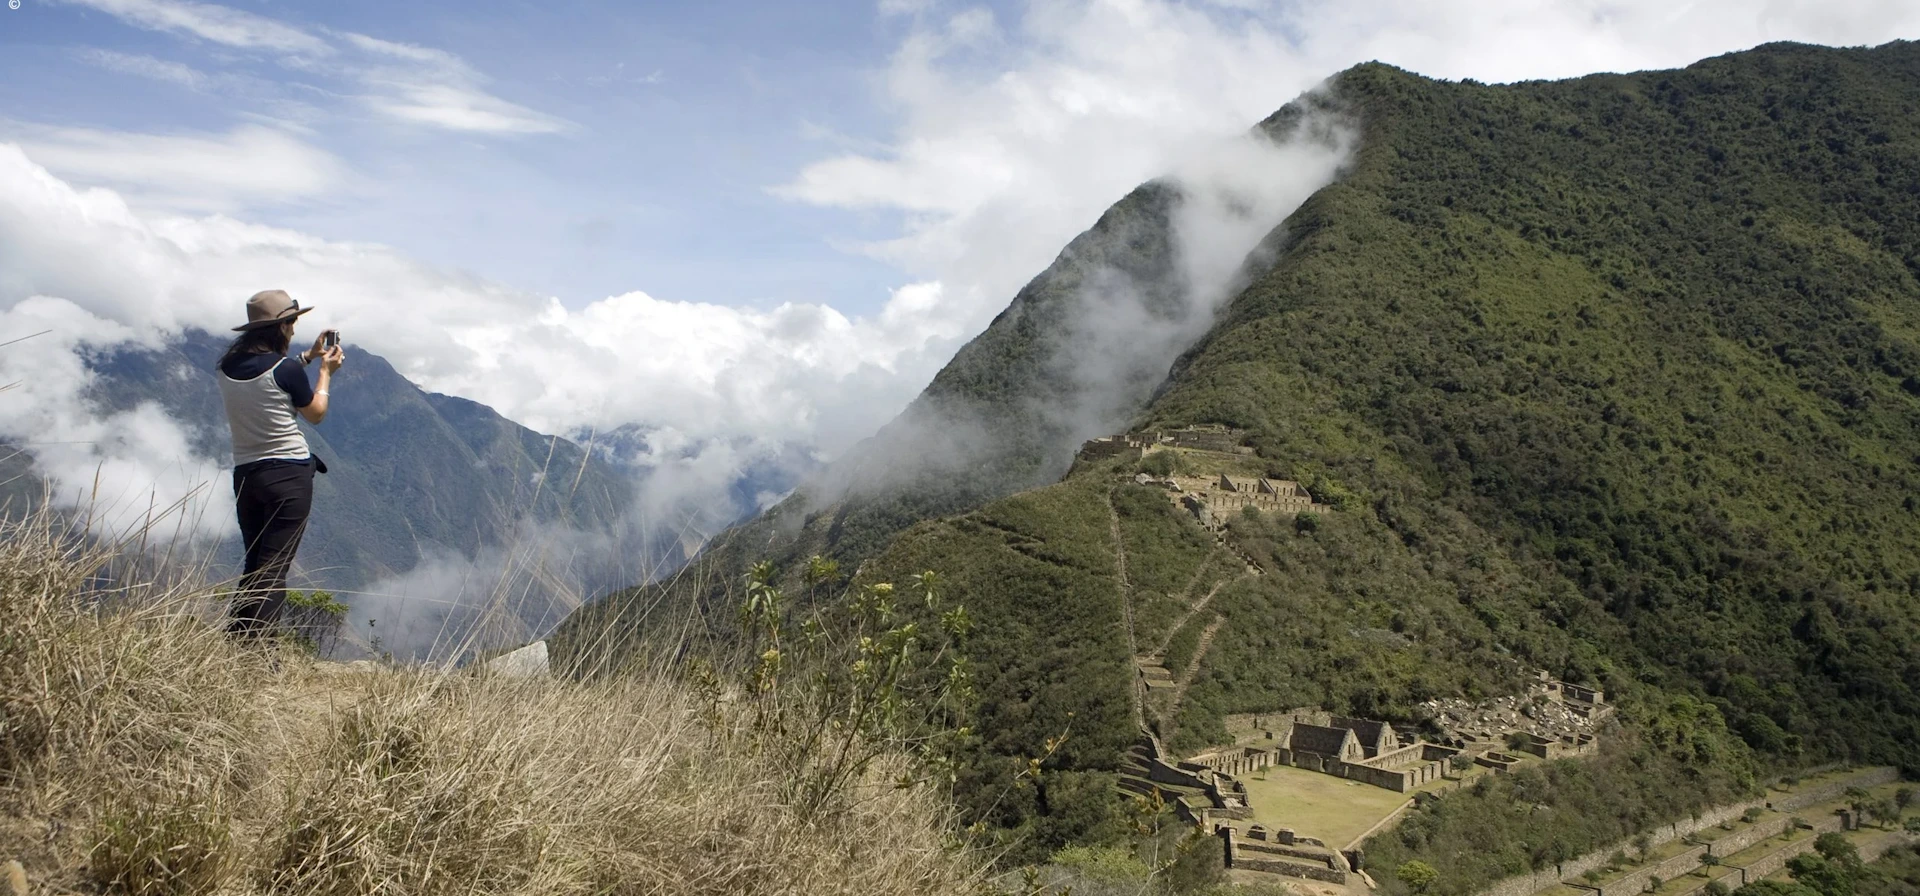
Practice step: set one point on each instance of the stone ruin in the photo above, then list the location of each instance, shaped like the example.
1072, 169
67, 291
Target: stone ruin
1134, 445
1552, 719
1281, 851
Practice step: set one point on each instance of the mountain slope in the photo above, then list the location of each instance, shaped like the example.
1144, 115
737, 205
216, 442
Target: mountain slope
1655, 336
1621, 377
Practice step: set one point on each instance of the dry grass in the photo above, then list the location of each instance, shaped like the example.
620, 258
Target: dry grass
140, 752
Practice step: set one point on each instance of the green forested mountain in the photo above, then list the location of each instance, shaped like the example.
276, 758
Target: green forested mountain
1617, 377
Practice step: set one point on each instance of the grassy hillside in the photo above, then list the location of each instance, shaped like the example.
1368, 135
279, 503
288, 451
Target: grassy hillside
143, 753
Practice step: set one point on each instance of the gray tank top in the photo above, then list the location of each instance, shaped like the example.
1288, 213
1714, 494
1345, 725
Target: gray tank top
261, 415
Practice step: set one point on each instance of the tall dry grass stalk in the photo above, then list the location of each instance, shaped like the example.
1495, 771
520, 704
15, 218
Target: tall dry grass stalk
141, 752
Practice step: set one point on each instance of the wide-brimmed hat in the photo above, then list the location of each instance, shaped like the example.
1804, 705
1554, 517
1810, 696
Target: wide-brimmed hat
269, 307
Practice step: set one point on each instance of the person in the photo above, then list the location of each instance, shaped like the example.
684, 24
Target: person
273, 468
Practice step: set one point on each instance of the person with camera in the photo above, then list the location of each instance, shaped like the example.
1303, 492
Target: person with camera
263, 388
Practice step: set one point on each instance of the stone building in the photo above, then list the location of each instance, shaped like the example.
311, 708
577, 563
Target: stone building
1375, 737
1325, 741
1114, 446
1230, 492
1206, 437
1359, 749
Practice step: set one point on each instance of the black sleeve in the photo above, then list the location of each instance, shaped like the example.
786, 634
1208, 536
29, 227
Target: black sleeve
293, 381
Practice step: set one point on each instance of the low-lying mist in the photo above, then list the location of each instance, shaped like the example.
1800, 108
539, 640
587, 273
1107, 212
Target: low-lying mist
1082, 348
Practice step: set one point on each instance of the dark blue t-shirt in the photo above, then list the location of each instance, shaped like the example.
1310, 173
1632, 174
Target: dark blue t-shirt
287, 372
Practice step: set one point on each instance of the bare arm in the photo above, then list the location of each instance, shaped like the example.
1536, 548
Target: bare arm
316, 410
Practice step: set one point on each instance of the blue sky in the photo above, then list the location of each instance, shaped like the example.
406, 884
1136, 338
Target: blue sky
672, 121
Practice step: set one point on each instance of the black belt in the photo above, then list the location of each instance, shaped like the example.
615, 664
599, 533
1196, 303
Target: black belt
313, 460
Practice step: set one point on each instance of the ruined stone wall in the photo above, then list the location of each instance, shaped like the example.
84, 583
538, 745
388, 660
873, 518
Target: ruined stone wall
1188, 813
1879, 848
1432, 769
1290, 869
1103, 448
1237, 761
1391, 757
1559, 748
1398, 782
1834, 790
1246, 846
1573, 869
1776, 860
1526, 884
1159, 771
1567, 872
1636, 882
1260, 501
1228, 442
1748, 836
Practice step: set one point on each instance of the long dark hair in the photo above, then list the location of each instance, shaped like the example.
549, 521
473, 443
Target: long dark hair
260, 340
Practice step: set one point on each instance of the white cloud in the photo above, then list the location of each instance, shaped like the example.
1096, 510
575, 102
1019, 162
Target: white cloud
127, 468
725, 386
903, 7
148, 67
404, 82
437, 88
406, 51
250, 165
455, 106
207, 21
1531, 39
705, 370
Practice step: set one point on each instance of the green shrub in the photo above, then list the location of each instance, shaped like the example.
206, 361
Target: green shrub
1164, 463
313, 619
1105, 864
1416, 874
167, 844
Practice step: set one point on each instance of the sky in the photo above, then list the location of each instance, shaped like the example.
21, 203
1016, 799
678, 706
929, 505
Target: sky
719, 220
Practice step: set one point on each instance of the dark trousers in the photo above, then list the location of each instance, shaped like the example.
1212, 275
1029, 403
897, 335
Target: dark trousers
273, 502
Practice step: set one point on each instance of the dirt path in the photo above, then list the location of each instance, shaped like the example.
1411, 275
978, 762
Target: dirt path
1185, 677
1191, 611
1186, 594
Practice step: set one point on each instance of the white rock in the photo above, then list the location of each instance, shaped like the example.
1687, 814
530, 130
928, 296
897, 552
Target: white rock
527, 662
